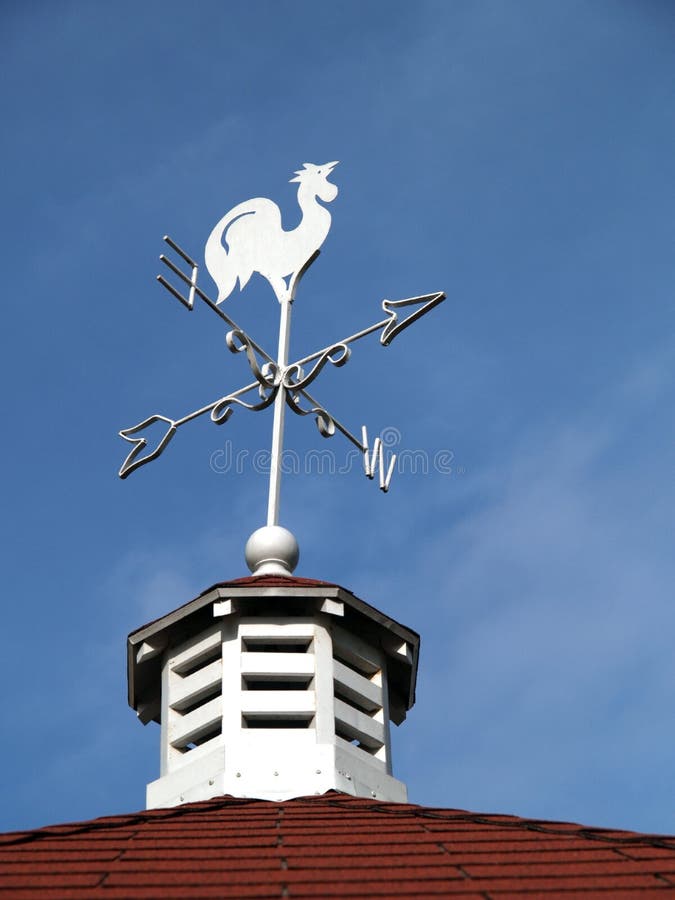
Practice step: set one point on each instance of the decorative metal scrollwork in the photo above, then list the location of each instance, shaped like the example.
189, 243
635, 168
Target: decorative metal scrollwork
294, 378
223, 409
268, 374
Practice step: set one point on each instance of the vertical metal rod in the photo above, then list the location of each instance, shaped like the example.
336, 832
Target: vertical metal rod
279, 417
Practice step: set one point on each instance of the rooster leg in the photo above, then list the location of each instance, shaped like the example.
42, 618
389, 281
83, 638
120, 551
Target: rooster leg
279, 287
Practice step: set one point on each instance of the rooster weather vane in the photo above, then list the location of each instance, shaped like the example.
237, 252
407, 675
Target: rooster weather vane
250, 238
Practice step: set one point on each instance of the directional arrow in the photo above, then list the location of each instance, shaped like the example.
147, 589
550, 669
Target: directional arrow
393, 326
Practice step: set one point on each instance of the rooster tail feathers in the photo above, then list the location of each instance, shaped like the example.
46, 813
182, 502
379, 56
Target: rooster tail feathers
218, 262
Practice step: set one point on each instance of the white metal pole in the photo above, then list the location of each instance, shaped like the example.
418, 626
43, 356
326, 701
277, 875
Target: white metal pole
279, 417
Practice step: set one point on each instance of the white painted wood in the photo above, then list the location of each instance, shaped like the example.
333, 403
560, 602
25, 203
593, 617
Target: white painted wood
167, 752
332, 607
236, 655
231, 656
196, 652
364, 776
284, 704
195, 724
355, 651
355, 760
278, 628
384, 716
358, 689
360, 726
150, 648
288, 664
146, 712
324, 722
223, 608
188, 690
400, 649
167, 625
178, 683
194, 755
199, 774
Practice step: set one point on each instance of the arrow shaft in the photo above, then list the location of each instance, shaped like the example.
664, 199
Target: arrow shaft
349, 340
320, 408
212, 406
232, 323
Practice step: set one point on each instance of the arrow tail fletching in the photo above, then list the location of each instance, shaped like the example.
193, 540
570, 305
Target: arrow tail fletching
190, 281
134, 459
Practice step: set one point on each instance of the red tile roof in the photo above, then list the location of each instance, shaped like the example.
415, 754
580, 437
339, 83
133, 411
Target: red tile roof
273, 581
331, 846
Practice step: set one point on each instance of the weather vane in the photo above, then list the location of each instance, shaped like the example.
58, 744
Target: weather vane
250, 238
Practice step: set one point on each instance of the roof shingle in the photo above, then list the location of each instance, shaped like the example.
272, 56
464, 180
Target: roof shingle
330, 846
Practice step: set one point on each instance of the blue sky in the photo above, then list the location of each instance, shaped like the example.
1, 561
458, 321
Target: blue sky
519, 156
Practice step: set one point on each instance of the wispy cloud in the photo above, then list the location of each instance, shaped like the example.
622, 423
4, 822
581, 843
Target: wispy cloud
550, 654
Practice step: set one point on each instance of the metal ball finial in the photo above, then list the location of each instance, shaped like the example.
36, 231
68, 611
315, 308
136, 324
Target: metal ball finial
272, 550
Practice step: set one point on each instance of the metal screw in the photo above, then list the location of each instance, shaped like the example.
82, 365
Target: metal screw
210, 780
238, 774
373, 794
318, 771
276, 773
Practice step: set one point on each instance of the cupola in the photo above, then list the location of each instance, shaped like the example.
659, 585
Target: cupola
273, 687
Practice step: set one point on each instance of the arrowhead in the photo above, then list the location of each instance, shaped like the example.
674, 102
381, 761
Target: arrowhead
393, 326
133, 460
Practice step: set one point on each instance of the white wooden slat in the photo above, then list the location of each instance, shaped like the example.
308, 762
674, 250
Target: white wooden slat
359, 725
356, 687
187, 690
191, 726
189, 656
277, 664
276, 628
194, 754
146, 712
355, 651
356, 754
282, 703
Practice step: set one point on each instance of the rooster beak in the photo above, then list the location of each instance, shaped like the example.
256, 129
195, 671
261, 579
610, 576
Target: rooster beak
331, 165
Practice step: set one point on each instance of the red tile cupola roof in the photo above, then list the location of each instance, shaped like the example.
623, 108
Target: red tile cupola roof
275, 581
331, 846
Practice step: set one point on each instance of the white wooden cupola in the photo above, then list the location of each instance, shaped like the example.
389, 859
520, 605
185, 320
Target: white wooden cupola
273, 687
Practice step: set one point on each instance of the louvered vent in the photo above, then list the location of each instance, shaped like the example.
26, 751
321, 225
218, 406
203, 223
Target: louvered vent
194, 703
359, 697
277, 681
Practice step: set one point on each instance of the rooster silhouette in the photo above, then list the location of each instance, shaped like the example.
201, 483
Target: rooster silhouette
256, 241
